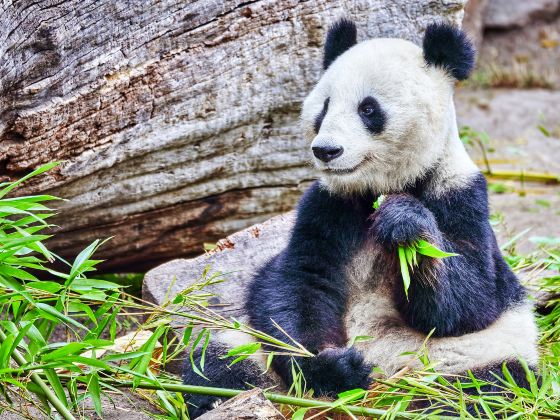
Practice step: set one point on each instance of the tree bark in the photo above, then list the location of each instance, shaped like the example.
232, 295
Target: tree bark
177, 121
249, 405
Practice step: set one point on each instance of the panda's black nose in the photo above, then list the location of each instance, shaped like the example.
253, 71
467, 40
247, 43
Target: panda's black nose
327, 153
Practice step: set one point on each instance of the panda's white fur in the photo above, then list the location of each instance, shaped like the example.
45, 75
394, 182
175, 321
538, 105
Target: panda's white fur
420, 130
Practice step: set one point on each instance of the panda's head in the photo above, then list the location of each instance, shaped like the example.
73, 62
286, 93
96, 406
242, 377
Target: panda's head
382, 114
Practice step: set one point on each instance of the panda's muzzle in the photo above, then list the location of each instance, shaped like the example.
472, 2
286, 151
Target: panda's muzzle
327, 153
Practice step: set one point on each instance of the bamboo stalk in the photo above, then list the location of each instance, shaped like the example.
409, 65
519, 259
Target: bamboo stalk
523, 176
273, 397
53, 399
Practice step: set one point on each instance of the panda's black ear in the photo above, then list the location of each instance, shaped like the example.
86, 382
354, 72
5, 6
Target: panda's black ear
341, 37
448, 47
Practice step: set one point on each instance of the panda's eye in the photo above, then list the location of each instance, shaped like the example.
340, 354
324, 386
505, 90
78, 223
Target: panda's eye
368, 110
372, 115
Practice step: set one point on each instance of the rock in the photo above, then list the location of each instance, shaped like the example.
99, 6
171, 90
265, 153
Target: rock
524, 57
249, 405
506, 14
177, 121
238, 256
514, 119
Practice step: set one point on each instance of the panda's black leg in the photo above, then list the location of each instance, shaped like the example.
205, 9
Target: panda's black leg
242, 375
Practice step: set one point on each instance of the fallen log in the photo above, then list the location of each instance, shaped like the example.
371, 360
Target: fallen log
177, 121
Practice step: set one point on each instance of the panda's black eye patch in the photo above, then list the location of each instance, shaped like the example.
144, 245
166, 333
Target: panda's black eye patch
319, 118
372, 115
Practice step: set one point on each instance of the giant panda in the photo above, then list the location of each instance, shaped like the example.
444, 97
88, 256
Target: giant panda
381, 121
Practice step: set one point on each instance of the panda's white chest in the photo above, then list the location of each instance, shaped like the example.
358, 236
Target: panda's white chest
370, 304
372, 321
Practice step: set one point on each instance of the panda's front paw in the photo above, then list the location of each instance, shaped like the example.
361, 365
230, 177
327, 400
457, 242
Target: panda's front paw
402, 219
334, 370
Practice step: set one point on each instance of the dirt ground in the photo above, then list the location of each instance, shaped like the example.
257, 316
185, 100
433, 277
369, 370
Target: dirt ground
524, 131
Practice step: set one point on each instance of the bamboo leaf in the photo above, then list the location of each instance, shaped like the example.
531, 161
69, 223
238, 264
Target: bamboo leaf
144, 362
404, 270
204, 347
46, 286
191, 354
49, 310
56, 385
269, 360
5, 353
350, 395
378, 202
85, 285
300, 413
95, 392
425, 248
187, 334
88, 361
410, 253
68, 349
83, 257
249, 349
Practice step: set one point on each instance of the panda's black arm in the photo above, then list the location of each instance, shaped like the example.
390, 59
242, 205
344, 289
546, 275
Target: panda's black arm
456, 295
303, 290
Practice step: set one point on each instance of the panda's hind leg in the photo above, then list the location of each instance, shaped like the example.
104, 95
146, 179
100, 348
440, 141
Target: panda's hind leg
490, 381
494, 381
245, 374
493, 374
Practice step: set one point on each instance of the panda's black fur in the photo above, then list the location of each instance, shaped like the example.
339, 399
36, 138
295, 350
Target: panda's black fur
341, 36
304, 288
448, 47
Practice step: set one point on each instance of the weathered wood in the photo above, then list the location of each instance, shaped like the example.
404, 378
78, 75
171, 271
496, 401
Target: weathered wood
249, 405
177, 121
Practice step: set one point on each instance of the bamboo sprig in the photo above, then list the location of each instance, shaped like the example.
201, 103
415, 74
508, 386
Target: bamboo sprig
523, 176
49, 394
